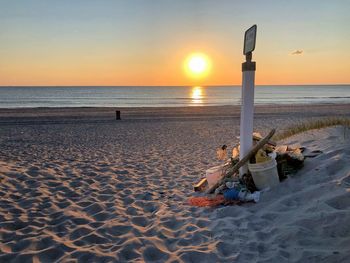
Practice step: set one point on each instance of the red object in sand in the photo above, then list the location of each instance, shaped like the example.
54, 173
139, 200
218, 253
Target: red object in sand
206, 201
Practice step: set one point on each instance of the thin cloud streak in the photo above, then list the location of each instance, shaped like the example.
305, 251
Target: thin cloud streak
297, 52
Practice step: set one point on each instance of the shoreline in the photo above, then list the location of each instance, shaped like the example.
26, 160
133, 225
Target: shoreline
190, 112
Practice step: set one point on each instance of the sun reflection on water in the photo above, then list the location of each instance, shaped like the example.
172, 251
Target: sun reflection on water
197, 95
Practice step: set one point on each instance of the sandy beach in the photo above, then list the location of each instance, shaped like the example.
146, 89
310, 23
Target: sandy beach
78, 186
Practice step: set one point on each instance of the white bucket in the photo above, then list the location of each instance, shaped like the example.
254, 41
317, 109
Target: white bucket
214, 174
264, 174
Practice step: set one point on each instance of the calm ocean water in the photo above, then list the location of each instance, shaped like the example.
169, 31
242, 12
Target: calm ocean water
23, 97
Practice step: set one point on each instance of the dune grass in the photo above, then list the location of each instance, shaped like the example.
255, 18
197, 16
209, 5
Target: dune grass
310, 125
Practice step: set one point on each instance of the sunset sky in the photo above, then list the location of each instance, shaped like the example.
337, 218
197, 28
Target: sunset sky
146, 42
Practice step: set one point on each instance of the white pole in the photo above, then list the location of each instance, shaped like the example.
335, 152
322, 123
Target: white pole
247, 111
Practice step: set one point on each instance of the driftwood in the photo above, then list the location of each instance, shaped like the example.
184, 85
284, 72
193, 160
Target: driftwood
246, 158
269, 142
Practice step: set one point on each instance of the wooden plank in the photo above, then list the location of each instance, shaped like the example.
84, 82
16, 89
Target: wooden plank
258, 138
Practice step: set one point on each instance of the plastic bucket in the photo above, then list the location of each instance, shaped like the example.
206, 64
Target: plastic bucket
264, 174
214, 174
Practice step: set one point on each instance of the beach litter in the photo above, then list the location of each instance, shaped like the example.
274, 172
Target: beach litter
268, 165
264, 173
202, 201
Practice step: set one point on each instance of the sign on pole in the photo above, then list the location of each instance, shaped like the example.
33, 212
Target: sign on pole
249, 40
247, 103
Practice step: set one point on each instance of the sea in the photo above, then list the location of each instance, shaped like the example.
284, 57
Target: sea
167, 96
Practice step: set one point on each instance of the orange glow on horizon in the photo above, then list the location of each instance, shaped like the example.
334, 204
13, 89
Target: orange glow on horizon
110, 69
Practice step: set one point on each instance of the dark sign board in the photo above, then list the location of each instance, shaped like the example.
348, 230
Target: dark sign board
249, 40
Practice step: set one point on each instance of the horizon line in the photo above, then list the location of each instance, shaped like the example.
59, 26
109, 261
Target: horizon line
215, 85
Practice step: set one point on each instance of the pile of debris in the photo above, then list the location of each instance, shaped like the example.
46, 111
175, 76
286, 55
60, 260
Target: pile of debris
268, 164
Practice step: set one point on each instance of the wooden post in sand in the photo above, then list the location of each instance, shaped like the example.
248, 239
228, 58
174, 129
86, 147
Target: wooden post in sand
117, 115
247, 104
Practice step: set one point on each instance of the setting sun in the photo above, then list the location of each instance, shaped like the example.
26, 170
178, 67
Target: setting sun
197, 65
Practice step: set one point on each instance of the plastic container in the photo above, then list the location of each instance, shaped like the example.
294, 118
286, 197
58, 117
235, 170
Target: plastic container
264, 174
214, 174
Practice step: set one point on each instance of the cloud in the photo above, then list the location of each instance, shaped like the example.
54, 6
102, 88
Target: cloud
298, 52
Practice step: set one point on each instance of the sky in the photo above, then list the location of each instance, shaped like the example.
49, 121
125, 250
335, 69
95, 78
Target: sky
146, 42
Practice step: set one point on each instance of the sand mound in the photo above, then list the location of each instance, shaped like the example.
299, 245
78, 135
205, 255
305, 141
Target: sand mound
305, 218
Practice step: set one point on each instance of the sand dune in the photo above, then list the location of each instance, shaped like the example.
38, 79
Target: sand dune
305, 218
117, 191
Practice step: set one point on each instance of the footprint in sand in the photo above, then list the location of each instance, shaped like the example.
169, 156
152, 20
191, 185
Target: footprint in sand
341, 202
128, 253
33, 171
153, 254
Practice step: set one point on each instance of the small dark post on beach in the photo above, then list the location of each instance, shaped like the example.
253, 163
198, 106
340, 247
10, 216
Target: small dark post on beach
117, 115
